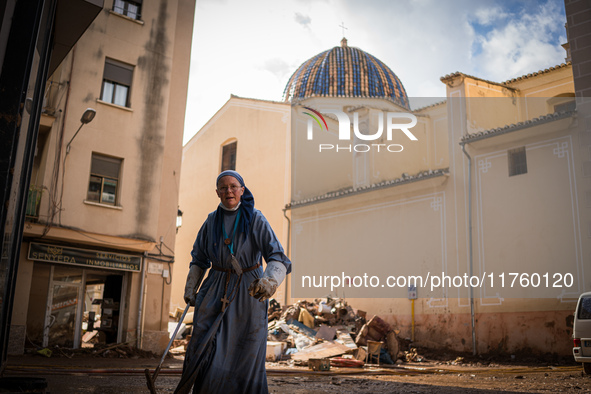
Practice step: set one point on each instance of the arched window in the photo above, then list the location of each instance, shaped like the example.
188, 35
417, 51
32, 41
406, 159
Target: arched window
562, 102
229, 156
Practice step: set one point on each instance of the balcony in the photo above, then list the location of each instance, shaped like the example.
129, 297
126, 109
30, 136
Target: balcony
33, 202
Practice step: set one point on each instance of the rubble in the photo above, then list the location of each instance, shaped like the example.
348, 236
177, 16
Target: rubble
327, 328
346, 362
344, 337
122, 350
178, 349
119, 350
326, 332
275, 350
331, 329
319, 364
412, 355
321, 350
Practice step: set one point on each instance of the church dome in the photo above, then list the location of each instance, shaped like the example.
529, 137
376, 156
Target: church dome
345, 72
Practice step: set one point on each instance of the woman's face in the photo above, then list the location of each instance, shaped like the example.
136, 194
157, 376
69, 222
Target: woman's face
229, 191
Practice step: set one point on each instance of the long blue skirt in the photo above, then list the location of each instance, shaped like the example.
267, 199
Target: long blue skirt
226, 353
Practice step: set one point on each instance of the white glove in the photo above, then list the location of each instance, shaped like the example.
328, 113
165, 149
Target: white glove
264, 288
194, 279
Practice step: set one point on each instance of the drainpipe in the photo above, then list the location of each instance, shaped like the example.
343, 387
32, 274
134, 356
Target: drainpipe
141, 303
473, 323
287, 248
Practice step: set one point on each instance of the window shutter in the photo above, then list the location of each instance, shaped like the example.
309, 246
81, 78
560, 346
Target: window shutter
105, 166
118, 72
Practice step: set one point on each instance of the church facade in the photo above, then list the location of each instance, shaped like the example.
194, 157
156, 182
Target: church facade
461, 223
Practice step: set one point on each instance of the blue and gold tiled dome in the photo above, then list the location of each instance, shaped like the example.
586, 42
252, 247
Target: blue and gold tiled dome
345, 72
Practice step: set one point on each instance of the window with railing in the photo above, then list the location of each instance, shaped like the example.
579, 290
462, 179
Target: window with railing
128, 8
33, 202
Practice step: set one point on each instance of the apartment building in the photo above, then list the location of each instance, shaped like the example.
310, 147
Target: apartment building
98, 244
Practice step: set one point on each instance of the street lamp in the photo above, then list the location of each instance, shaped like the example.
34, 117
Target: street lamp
87, 117
179, 219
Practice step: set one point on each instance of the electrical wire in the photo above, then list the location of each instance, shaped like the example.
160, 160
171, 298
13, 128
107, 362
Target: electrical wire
168, 282
111, 243
172, 251
155, 258
53, 205
167, 259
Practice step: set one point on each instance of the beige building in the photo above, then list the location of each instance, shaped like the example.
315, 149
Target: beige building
98, 245
480, 188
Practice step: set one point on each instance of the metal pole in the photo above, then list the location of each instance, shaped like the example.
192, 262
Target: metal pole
141, 303
473, 321
75, 134
412, 303
287, 251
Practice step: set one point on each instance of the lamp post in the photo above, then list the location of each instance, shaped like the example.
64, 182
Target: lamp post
87, 117
179, 219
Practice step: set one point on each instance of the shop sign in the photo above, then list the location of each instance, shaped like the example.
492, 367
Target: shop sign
83, 257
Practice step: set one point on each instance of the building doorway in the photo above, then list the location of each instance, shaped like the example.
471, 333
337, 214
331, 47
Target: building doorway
82, 307
102, 306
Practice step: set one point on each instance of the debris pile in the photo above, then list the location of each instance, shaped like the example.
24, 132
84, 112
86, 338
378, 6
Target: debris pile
412, 355
320, 333
330, 328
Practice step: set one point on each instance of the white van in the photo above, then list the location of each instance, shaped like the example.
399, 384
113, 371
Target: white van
582, 332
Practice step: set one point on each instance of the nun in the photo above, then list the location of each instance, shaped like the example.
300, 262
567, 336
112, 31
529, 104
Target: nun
226, 353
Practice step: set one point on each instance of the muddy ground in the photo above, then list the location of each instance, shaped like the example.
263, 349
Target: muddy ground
560, 380
444, 373
439, 373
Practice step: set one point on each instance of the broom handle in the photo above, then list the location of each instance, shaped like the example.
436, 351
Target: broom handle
171, 340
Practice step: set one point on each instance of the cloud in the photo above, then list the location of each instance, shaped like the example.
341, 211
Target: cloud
419, 40
303, 20
279, 67
526, 42
487, 16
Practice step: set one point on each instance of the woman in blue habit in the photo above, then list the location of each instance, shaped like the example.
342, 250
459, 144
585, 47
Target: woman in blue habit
227, 350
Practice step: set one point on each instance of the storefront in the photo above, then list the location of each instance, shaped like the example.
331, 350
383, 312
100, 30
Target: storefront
77, 296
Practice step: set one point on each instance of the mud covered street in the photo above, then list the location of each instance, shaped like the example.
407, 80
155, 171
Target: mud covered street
559, 380
84, 374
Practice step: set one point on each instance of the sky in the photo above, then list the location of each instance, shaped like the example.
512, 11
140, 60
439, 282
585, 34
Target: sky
250, 48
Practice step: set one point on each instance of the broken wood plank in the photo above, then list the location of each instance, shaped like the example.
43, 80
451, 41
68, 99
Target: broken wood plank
344, 338
321, 350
